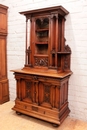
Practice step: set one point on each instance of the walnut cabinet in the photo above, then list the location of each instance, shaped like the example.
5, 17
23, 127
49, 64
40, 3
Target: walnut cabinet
42, 84
4, 89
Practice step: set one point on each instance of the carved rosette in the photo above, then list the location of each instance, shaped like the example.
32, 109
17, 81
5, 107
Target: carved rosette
41, 62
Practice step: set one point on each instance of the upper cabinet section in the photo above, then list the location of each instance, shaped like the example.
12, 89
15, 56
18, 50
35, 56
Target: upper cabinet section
45, 41
3, 19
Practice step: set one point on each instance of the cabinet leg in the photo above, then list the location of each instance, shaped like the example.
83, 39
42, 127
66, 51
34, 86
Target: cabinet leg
18, 113
55, 125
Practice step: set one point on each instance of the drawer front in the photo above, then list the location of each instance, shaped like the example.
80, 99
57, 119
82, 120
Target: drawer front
37, 110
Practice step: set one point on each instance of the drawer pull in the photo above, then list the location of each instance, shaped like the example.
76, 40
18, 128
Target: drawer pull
44, 112
25, 107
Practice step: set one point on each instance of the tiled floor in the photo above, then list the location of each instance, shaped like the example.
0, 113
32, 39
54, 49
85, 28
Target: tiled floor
9, 120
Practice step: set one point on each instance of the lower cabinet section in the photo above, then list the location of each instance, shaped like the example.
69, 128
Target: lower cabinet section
42, 97
51, 115
4, 91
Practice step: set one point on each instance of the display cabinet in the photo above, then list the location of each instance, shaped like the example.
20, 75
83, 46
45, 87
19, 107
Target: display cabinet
42, 84
4, 88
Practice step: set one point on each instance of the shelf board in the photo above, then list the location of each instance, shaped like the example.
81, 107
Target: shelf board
44, 42
42, 29
41, 55
64, 52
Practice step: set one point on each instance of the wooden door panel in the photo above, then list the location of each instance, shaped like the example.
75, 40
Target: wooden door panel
45, 94
4, 90
29, 95
3, 68
3, 23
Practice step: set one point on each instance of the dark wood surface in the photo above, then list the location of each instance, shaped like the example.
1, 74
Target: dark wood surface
42, 84
4, 89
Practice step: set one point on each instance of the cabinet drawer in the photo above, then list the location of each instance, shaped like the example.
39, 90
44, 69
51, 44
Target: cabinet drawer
45, 112
37, 109
23, 106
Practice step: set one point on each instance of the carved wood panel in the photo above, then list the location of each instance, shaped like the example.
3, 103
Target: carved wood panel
29, 88
41, 61
45, 94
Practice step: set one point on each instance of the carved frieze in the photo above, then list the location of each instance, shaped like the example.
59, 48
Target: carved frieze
41, 61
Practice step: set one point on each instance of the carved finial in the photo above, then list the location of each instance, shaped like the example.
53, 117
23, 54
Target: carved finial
67, 48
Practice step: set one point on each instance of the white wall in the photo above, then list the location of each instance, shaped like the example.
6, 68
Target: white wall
76, 35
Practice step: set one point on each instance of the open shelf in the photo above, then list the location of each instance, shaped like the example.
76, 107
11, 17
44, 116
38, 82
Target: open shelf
46, 42
42, 36
42, 29
41, 49
63, 53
